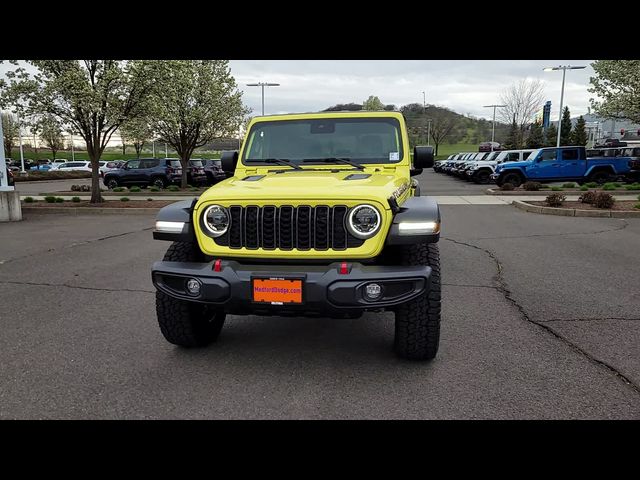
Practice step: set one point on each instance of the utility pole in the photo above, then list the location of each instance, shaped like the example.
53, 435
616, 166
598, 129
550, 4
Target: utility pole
4, 179
493, 127
73, 153
263, 84
153, 146
564, 69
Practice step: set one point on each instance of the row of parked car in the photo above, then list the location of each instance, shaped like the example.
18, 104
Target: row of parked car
551, 164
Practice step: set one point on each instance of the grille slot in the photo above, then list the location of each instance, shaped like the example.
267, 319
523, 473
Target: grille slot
287, 228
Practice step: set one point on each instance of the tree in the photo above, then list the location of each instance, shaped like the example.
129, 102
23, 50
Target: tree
522, 99
535, 138
551, 136
352, 107
512, 141
565, 127
442, 123
11, 130
51, 133
390, 108
194, 102
579, 134
93, 97
137, 132
617, 87
372, 103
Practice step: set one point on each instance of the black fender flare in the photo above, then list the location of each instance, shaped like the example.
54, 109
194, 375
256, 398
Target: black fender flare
415, 209
176, 213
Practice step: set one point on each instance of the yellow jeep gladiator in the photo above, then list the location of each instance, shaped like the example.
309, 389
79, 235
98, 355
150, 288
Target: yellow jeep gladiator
319, 218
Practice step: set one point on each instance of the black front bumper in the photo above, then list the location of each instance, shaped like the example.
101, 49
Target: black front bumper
326, 291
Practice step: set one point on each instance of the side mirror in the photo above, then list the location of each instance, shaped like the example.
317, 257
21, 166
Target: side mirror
229, 159
422, 157
415, 171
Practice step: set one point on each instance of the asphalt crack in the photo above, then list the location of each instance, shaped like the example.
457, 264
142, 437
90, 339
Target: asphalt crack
590, 319
37, 284
503, 288
493, 287
624, 225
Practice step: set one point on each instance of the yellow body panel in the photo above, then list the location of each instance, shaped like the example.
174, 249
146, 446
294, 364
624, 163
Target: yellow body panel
325, 187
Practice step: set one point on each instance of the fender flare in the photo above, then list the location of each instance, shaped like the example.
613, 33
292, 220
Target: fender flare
178, 226
415, 209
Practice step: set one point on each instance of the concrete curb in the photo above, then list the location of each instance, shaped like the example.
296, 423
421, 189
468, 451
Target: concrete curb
90, 210
575, 212
566, 191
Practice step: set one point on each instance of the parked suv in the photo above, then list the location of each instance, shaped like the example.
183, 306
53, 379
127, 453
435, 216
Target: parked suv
213, 171
320, 218
159, 172
196, 173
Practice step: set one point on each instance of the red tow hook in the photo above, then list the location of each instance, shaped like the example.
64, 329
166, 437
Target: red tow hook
217, 266
343, 269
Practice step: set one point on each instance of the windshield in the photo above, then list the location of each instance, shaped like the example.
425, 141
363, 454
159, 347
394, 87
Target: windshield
492, 156
195, 163
361, 140
533, 154
175, 163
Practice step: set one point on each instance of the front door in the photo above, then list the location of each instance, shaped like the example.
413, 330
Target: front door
546, 166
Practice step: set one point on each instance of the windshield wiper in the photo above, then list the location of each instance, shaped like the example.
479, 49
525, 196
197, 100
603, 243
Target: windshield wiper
344, 161
279, 161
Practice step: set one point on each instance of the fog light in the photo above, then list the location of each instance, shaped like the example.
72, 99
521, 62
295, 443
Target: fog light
372, 291
193, 286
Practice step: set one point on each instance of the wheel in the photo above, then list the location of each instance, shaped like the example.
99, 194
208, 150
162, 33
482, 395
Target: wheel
159, 182
112, 183
482, 177
417, 329
187, 324
513, 178
599, 177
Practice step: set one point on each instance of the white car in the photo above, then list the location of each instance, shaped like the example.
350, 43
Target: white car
108, 166
74, 166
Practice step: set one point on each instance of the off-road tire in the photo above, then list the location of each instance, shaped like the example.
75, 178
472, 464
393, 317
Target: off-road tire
482, 177
159, 182
187, 324
417, 326
600, 177
513, 178
112, 183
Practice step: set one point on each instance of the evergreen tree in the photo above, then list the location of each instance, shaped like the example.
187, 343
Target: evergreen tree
551, 136
579, 133
511, 142
536, 138
565, 128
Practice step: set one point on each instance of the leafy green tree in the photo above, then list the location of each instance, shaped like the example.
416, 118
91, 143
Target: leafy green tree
551, 136
372, 103
92, 97
352, 107
565, 127
11, 130
51, 133
137, 132
194, 102
443, 122
512, 141
617, 87
535, 138
579, 134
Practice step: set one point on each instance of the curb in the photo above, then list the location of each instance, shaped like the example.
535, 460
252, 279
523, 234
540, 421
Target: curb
122, 194
574, 212
566, 191
90, 210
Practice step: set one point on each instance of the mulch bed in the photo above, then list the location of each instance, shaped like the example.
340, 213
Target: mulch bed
107, 204
619, 205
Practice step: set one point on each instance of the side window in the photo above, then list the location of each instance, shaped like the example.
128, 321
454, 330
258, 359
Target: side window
570, 155
133, 164
513, 157
149, 163
548, 155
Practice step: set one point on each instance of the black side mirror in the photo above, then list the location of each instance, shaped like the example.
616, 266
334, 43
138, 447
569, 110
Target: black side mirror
229, 159
422, 157
415, 171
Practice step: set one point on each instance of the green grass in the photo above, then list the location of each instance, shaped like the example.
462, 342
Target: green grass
112, 154
445, 149
591, 185
617, 185
608, 186
584, 188
569, 185
556, 189
633, 186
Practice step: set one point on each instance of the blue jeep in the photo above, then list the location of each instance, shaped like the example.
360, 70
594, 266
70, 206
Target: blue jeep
562, 164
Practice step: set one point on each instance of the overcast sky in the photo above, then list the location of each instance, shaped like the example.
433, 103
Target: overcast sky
461, 85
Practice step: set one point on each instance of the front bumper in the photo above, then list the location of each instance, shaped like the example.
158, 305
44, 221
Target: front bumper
326, 292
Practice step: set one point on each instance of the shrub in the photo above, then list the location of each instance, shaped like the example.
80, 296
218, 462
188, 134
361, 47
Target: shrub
119, 189
85, 188
75, 199
75, 188
584, 188
588, 197
591, 185
608, 186
149, 199
154, 189
49, 199
59, 199
555, 199
633, 186
194, 189
507, 186
556, 189
544, 187
603, 200
135, 189
617, 184
637, 206
173, 188
124, 199
569, 185
532, 186
28, 200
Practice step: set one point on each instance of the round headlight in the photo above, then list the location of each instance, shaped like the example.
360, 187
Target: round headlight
363, 221
216, 220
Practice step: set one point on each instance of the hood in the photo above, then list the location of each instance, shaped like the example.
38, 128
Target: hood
311, 186
513, 165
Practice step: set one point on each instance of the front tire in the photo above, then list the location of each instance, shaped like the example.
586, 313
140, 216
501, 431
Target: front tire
417, 327
187, 324
513, 178
112, 183
482, 177
600, 177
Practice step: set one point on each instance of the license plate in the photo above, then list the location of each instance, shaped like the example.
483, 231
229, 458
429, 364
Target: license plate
277, 291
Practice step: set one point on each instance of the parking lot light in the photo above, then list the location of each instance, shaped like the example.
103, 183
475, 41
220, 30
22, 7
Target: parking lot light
263, 84
564, 69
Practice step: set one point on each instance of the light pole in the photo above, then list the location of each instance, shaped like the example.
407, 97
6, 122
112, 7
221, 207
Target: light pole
153, 146
263, 84
424, 111
4, 179
493, 128
21, 150
73, 152
564, 69
166, 151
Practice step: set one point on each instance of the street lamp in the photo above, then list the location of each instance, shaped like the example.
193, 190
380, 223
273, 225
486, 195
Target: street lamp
263, 84
424, 111
493, 128
564, 69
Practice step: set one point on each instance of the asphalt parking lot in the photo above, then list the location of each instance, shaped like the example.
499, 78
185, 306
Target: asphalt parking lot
540, 321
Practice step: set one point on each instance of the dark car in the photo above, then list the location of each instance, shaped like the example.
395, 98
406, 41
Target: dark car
159, 172
195, 173
213, 170
10, 180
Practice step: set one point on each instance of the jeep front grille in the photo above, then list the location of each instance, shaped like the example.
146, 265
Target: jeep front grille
287, 228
